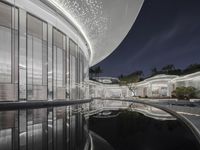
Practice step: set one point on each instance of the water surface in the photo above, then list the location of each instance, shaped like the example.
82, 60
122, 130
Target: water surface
129, 130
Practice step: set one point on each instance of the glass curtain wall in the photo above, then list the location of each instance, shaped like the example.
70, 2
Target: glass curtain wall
50, 63
36, 58
74, 72
38, 54
67, 70
22, 55
59, 91
81, 77
86, 78
8, 52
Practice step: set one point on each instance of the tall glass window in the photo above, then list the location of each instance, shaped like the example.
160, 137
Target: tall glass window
86, 77
50, 64
73, 70
22, 54
67, 70
58, 65
8, 52
37, 58
81, 70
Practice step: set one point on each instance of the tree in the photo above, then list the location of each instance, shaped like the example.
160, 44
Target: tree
185, 92
131, 84
121, 76
91, 72
98, 71
131, 80
154, 71
138, 73
168, 68
192, 68
95, 72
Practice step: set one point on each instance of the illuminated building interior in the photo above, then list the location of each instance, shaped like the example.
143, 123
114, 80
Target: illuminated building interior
164, 85
46, 49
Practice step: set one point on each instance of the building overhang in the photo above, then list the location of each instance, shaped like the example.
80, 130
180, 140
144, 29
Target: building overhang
102, 23
157, 79
192, 76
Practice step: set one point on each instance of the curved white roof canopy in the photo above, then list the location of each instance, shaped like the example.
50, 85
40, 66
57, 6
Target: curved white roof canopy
103, 23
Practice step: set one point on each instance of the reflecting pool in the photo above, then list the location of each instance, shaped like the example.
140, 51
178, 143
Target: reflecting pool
94, 126
130, 129
59, 128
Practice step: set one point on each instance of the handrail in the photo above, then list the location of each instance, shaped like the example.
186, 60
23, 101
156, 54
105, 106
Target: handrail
34, 104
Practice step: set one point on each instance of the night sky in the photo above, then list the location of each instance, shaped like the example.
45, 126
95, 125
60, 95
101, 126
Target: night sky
165, 32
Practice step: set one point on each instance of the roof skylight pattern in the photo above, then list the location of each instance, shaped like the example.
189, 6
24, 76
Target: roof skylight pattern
89, 14
103, 23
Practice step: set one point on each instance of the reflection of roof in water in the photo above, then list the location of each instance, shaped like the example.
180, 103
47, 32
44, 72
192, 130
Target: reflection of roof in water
107, 114
151, 112
106, 80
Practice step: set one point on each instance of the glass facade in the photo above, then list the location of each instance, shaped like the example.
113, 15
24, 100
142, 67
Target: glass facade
38, 61
58, 64
8, 52
74, 72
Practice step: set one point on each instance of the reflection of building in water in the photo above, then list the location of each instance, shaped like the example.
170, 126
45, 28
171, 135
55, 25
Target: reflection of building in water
152, 112
46, 49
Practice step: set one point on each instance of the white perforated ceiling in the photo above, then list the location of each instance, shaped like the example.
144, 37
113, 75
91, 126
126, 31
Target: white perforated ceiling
103, 23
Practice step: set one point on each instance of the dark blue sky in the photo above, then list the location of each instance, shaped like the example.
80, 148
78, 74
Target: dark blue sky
165, 32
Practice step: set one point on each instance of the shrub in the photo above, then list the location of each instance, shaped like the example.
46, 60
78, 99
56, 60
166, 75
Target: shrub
185, 92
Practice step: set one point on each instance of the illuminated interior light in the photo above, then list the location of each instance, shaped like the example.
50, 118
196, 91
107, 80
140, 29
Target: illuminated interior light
69, 16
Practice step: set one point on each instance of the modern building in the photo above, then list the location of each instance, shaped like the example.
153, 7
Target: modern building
192, 79
46, 49
156, 86
163, 85
108, 87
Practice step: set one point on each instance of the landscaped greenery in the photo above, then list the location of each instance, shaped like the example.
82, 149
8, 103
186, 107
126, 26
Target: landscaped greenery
95, 72
185, 92
131, 80
169, 69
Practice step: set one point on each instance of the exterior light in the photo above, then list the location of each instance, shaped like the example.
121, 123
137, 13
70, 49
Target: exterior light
69, 16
